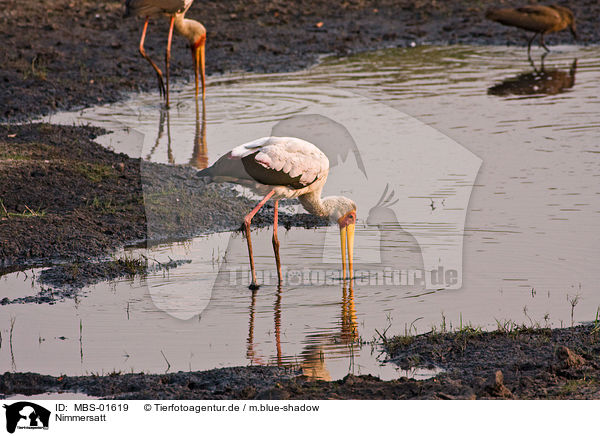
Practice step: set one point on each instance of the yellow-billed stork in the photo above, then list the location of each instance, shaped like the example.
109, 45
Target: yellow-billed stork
192, 30
282, 167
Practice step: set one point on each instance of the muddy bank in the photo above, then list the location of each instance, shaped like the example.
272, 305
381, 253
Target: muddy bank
64, 197
60, 54
77, 276
511, 363
66, 281
225, 383
519, 364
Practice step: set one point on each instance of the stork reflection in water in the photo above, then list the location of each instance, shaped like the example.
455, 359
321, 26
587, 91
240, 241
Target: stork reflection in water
343, 343
164, 118
541, 81
199, 157
313, 357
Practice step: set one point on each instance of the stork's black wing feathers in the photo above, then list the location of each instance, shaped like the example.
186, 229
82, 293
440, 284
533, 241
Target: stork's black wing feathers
269, 176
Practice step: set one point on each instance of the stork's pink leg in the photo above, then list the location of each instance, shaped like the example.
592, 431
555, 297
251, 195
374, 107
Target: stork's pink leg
276, 241
247, 221
168, 56
159, 74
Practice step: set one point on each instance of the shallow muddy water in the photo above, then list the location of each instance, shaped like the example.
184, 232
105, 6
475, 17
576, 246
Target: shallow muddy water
466, 161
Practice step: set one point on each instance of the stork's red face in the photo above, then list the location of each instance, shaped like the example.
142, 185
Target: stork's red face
347, 223
349, 218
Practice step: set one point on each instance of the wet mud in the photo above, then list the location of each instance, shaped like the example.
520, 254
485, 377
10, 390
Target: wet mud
524, 363
60, 54
67, 280
224, 383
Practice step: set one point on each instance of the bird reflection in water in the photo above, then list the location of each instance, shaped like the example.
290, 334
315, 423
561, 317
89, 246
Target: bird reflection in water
313, 362
164, 117
538, 82
250, 352
277, 315
349, 332
312, 358
199, 157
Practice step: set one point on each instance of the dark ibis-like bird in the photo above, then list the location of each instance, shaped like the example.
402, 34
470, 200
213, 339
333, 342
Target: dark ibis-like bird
283, 167
192, 30
536, 18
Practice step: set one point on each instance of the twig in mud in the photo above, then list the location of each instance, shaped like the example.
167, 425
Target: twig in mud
10, 341
166, 360
81, 339
12, 327
412, 325
526, 312
4, 209
382, 336
160, 264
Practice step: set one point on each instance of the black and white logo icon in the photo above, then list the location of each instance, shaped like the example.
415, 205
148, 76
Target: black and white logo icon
26, 415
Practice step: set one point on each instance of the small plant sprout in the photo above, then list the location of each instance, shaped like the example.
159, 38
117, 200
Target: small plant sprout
573, 302
547, 320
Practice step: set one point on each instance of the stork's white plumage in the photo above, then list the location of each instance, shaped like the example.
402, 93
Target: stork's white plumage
192, 30
282, 167
302, 161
